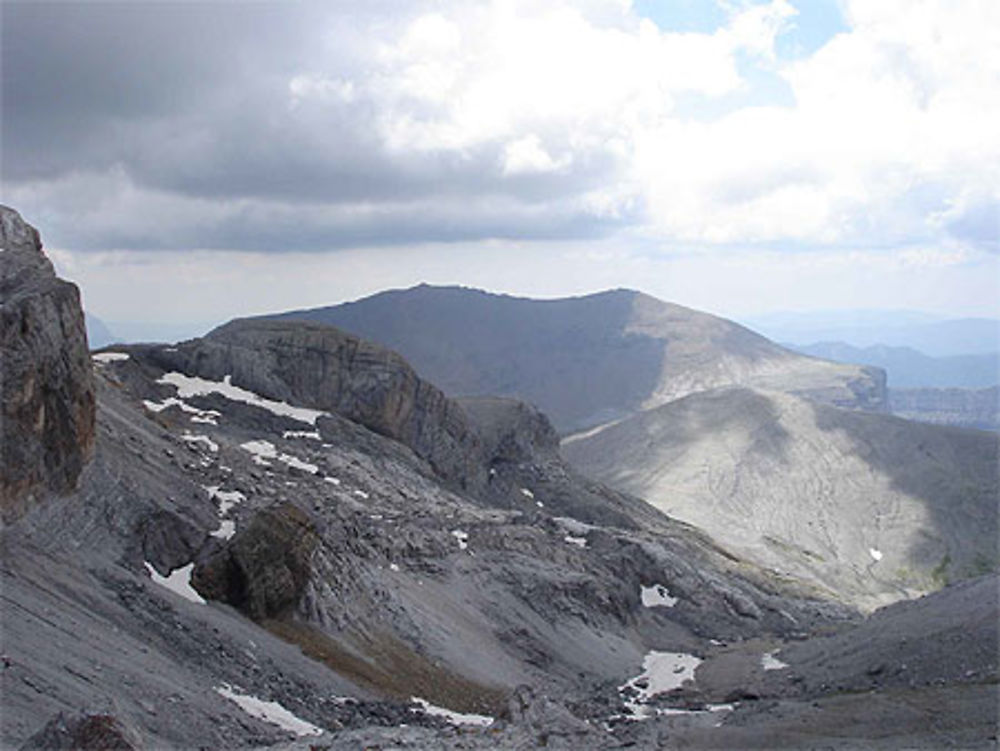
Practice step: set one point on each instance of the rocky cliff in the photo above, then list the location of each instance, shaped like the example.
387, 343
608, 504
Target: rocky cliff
321, 367
47, 423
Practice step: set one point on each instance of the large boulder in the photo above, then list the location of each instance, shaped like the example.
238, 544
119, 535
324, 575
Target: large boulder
47, 425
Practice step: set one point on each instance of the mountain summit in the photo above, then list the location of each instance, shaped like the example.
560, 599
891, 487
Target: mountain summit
587, 360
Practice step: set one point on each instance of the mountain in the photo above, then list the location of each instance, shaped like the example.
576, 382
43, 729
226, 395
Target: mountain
98, 333
585, 360
907, 368
281, 536
934, 335
869, 507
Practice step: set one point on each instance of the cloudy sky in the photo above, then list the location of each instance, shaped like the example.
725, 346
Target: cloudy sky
189, 162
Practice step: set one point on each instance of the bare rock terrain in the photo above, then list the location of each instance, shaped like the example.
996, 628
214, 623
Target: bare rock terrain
868, 507
285, 538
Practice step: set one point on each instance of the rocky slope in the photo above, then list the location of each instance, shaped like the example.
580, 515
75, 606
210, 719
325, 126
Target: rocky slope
348, 559
47, 419
586, 360
325, 548
970, 408
870, 507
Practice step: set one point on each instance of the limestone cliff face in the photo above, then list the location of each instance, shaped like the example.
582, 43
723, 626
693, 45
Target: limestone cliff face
47, 425
322, 367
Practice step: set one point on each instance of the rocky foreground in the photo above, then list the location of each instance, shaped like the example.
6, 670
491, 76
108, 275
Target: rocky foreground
286, 538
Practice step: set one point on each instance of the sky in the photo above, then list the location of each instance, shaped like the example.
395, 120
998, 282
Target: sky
191, 162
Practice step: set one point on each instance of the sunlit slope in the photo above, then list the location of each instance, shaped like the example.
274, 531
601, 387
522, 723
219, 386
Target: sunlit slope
869, 506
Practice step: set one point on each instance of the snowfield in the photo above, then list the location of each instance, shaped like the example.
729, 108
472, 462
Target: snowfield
188, 386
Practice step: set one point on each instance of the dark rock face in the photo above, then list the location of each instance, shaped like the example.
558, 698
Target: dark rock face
265, 569
47, 426
511, 430
85, 732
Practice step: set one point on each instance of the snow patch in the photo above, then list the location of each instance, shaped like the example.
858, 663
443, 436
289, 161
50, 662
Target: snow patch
656, 596
179, 581
462, 537
268, 711
332, 480
527, 493
661, 671
227, 528
261, 450
265, 451
188, 386
107, 357
227, 498
874, 553
455, 718
394, 567
361, 494
311, 434
768, 661
205, 416
192, 438
296, 463
580, 542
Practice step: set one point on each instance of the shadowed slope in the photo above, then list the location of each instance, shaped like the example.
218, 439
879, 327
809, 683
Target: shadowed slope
870, 506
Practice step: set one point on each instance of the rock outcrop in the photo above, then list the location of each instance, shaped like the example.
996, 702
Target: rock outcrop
47, 423
265, 569
319, 366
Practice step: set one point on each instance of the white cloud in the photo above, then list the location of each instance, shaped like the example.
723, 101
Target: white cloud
450, 121
526, 155
896, 106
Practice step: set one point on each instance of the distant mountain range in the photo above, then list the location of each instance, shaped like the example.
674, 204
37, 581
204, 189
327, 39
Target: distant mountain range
909, 368
932, 335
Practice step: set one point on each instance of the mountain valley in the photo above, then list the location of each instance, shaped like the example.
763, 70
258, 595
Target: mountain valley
282, 535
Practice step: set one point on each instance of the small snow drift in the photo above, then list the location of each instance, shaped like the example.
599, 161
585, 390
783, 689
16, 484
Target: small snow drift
768, 661
178, 582
656, 596
188, 386
455, 718
269, 711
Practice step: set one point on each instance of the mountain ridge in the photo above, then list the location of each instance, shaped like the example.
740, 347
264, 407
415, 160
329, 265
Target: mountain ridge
588, 359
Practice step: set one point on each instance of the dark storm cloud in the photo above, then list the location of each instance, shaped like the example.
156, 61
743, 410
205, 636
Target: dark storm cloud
193, 101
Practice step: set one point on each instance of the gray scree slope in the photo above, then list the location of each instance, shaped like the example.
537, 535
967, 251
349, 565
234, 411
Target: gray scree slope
871, 507
348, 568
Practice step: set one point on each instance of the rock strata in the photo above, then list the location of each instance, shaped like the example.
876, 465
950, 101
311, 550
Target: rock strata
321, 367
47, 424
